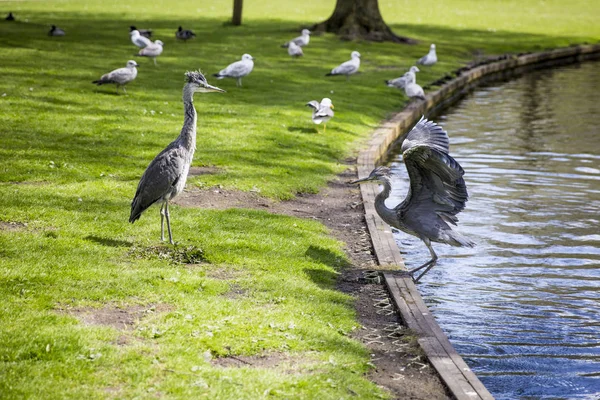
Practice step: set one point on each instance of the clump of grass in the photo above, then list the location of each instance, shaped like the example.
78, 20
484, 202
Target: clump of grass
174, 254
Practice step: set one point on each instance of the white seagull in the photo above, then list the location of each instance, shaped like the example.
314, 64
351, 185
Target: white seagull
121, 76
139, 40
322, 112
294, 50
430, 58
301, 40
399, 83
238, 69
411, 89
349, 67
154, 50
55, 31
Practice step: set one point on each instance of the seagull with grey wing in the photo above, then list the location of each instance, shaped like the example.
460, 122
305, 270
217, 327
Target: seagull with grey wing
139, 40
399, 83
56, 31
301, 40
294, 50
238, 69
349, 67
154, 50
430, 58
437, 192
322, 112
411, 89
120, 77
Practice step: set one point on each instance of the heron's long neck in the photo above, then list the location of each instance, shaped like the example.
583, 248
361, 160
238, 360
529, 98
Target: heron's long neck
188, 132
386, 214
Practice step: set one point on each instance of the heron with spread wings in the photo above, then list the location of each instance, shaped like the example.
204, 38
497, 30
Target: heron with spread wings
437, 191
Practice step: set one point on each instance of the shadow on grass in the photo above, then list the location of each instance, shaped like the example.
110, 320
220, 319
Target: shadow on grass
109, 242
301, 129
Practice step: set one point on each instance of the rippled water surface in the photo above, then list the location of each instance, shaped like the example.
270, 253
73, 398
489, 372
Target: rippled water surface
523, 307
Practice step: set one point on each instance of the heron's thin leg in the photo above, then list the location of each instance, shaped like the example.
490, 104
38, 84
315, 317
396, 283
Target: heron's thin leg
324, 128
162, 222
168, 222
154, 59
124, 90
238, 82
428, 265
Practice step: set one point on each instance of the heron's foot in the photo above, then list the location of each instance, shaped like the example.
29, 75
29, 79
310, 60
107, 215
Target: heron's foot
427, 266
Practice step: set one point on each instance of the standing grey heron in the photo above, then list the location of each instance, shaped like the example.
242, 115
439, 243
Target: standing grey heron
166, 175
437, 191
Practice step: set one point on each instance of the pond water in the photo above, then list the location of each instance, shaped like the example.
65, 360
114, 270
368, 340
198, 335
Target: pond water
523, 307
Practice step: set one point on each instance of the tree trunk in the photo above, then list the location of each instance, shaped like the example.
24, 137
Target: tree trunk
236, 20
359, 19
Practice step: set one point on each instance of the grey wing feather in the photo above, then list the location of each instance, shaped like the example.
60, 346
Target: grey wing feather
158, 180
313, 104
324, 112
235, 70
427, 133
436, 184
344, 69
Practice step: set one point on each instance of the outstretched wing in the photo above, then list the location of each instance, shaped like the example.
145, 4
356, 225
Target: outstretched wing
313, 104
427, 133
437, 186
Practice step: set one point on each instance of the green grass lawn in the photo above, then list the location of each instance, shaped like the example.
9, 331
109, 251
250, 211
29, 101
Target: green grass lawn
240, 282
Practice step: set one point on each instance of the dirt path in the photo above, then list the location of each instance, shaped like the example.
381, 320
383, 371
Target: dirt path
399, 364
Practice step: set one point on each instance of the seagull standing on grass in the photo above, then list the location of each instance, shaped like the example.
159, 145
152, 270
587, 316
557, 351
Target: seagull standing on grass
144, 32
411, 89
238, 69
399, 83
301, 40
430, 58
294, 50
349, 67
121, 76
322, 112
154, 50
138, 39
55, 31
184, 34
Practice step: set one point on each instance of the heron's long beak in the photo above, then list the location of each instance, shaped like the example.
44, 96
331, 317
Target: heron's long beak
211, 88
332, 106
368, 178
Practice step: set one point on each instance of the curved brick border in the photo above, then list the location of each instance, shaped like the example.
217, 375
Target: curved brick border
455, 373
